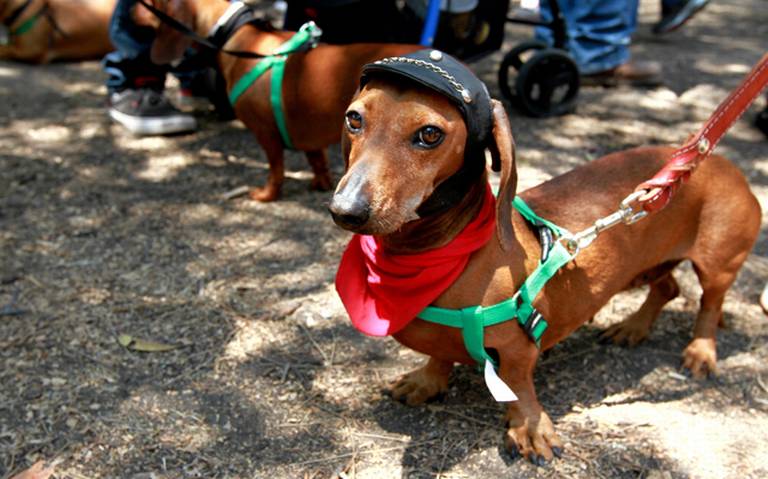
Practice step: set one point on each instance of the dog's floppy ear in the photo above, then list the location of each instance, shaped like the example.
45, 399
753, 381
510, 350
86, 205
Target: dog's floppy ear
503, 155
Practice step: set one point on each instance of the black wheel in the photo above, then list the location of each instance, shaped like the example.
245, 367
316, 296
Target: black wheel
547, 84
515, 59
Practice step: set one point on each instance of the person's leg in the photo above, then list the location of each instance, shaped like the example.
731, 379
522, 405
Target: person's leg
599, 34
134, 83
129, 65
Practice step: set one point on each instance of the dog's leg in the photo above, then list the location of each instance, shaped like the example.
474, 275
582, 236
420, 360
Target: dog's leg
700, 356
424, 383
636, 327
319, 162
530, 431
271, 191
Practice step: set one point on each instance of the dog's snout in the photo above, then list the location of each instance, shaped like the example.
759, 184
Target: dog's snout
349, 213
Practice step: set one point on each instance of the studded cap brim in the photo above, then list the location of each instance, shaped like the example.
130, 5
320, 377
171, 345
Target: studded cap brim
449, 77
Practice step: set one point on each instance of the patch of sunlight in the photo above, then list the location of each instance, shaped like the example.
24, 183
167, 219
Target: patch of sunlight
704, 443
6, 72
529, 176
714, 67
90, 130
161, 168
147, 143
85, 87
49, 134
249, 338
660, 99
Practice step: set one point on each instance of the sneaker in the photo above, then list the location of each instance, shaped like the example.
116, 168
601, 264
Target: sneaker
632, 73
674, 18
146, 111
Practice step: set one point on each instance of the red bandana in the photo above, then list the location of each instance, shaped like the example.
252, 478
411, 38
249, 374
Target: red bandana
383, 292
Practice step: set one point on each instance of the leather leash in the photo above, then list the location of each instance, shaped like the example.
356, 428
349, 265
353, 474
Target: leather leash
656, 193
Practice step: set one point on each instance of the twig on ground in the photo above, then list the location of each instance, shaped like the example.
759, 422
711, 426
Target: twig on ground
326, 362
235, 192
761, 383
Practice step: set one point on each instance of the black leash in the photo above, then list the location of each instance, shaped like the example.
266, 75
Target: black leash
9, 20
243, 17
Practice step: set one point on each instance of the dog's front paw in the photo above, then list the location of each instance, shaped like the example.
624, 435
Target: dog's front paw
631, 331
534, 438
265, 194
419, 386
701, 357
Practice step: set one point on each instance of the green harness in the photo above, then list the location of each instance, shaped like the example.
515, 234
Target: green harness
474, 319
307, 36
25, 27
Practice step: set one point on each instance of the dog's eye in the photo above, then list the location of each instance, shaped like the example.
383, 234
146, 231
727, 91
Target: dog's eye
354, 121
429, 137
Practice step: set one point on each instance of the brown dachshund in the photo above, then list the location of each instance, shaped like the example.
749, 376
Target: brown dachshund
713, 221
317, 85
41, 31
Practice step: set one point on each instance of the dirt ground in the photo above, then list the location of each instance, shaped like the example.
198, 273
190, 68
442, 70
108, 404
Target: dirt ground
103, 234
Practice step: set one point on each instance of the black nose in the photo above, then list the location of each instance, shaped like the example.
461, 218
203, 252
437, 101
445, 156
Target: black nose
349, 213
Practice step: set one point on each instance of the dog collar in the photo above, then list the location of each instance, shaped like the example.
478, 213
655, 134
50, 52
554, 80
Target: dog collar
447, 76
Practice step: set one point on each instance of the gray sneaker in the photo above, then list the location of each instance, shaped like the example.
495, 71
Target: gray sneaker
147, 112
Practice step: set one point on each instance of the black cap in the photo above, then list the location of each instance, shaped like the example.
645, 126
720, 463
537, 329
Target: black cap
449, 77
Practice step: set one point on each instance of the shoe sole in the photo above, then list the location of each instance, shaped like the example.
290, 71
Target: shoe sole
682, 17
149, 125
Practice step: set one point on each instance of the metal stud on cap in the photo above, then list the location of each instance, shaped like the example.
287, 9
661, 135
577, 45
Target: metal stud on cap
436, 55
466, 96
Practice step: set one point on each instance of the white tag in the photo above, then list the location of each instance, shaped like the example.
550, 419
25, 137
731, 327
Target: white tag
498, 388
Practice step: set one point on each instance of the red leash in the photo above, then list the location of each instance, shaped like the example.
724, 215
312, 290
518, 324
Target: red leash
659, 189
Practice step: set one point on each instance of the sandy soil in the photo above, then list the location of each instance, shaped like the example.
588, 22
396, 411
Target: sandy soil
103, 234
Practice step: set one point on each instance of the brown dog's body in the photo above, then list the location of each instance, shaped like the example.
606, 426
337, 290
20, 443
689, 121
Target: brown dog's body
713, 221
84, 34
317, 86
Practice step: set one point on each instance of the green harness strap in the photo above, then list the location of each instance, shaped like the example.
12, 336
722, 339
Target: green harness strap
308, 32
474, 319
27, 24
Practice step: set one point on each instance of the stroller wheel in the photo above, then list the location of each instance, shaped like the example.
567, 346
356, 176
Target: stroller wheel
547, 84
515, 59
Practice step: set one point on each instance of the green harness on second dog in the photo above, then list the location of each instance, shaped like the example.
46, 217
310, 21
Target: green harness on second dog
306, 38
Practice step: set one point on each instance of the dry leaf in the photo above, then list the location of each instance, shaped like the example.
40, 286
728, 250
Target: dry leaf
36, 472
135, 344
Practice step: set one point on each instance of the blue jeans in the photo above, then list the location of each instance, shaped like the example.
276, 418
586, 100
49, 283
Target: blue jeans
599, 31
130, 65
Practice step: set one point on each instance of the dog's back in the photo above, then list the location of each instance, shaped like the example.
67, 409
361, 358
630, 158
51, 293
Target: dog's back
713, 220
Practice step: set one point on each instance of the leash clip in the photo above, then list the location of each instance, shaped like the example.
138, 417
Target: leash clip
626, 214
